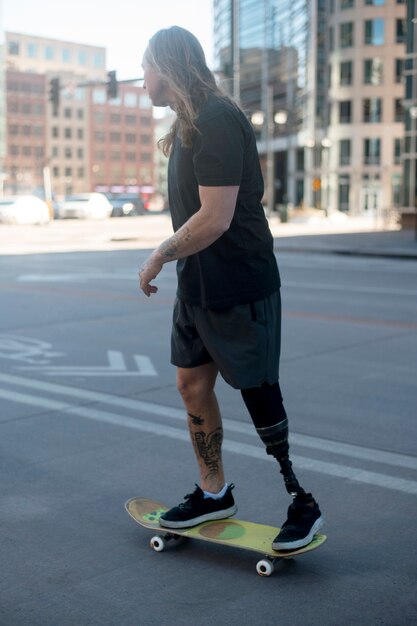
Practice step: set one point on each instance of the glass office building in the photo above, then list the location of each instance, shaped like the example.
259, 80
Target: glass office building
410, 102
322, 81
262, 51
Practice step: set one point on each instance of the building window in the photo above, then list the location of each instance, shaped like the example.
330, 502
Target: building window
145, 157
80, 172
145, 102
67, 113
346, 73
13, 48
130, 156
55, 172
145, 121
130, 138
80, 133
344, 191
82, 57
372, 110
68, 133
397, 151
80, 114
331, 39
99, 96
32, 50
372, 151
115, 118
55, 131
131, 99
66, 55
399, 69
68, 153
115, 137
374, 32
375, 3
98, 60
373, 71
347, 4
14, 150
300, 160
115, 156
49, 53
99, 117
346, 35
399, 110
80, 153
130, 120
100, 136
68, 171
344, 151
55, 152
400, 31
345, 112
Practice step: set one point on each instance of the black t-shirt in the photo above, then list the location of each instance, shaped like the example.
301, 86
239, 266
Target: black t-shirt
240, 266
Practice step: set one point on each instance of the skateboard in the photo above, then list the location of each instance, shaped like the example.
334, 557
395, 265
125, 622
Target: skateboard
233, 532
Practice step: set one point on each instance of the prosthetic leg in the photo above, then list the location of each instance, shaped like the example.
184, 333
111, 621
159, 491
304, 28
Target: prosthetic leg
267, 411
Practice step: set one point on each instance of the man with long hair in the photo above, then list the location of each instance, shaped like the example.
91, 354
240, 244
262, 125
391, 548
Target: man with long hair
227, 313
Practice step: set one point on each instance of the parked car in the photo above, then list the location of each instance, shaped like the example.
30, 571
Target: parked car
23, 210
125, 205
85, 206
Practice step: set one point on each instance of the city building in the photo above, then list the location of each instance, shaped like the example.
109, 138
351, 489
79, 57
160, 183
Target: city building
410, 108
2, 102
322, 82
121, 140
65, 129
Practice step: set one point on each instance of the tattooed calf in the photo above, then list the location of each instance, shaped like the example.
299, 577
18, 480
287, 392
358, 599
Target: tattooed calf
209, 449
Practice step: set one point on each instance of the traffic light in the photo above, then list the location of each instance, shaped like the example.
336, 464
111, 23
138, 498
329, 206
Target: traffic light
54, 89
112, 86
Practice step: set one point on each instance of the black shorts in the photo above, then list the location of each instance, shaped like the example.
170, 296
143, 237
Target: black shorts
243, 341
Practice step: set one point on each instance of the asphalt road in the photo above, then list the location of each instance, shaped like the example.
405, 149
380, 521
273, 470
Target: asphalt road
90, 417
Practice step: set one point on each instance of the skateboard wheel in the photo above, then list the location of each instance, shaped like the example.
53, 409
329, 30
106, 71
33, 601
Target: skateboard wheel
265, 568
157, 543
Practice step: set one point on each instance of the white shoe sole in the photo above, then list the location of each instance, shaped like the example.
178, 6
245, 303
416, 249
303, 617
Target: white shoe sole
293, 545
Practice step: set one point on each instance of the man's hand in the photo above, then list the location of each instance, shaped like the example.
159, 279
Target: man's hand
149, 270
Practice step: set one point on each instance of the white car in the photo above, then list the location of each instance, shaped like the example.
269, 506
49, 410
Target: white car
85, 206
23, 210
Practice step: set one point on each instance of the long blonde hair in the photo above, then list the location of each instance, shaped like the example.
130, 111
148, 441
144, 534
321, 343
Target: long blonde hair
177, 56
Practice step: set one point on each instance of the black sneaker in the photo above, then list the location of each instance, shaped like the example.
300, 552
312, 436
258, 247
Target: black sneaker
197, 509
304, 520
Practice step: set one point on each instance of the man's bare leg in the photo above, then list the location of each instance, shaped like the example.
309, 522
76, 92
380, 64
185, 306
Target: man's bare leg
196, 386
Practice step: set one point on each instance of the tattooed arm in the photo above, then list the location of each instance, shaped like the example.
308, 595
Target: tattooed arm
199, 232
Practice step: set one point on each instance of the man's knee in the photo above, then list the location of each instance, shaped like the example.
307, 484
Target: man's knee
197, 383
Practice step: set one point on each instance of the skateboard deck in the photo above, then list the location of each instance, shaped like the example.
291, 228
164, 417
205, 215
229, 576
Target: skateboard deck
231, 531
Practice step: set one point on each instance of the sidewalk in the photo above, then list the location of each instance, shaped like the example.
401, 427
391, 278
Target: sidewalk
356, 236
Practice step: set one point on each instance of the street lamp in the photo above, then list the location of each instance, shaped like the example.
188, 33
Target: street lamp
260, 119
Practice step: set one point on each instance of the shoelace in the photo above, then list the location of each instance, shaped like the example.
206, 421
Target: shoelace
189, 499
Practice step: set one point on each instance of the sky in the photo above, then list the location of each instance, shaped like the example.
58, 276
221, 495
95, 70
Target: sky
123, 27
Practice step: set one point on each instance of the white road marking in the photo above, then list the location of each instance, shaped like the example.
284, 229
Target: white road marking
116, 367
306, 441
323, 467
